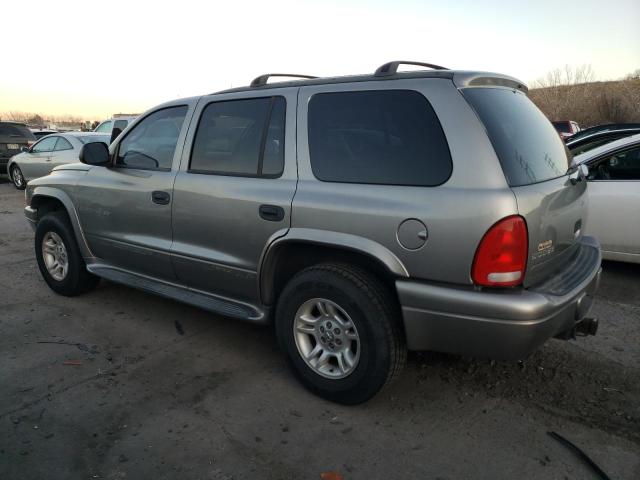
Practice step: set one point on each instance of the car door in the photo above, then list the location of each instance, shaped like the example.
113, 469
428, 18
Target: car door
38, 162
234, 189
614, 201
64, 152
125, 209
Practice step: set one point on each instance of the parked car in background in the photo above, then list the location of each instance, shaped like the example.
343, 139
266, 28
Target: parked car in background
566, 128
42, 132
339, 209
614, 197
583, 143
605, 127
47, 153
13, 138
115, 125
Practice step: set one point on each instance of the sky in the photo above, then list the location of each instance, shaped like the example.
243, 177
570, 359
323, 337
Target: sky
94, 59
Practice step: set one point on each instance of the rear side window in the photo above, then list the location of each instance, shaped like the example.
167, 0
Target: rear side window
241, 138
63, 144
528, 146
390, 137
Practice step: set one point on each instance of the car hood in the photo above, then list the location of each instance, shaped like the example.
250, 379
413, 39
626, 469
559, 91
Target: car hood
72, 166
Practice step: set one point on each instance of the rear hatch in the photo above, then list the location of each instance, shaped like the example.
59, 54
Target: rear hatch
536, 164
14, 136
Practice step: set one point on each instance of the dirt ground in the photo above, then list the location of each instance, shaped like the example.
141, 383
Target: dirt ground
162, 390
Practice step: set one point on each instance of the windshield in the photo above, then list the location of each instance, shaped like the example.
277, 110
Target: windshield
529, 149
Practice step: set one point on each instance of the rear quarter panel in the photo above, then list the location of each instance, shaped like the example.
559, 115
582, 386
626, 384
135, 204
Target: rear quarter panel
457, 214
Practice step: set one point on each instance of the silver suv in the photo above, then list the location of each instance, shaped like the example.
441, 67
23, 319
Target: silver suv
363, 215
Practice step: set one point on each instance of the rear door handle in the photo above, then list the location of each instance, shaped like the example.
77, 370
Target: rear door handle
160, 197
272, 213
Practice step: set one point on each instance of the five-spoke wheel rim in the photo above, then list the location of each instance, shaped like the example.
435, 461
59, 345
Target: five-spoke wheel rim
327, 338
54, 254
18, 179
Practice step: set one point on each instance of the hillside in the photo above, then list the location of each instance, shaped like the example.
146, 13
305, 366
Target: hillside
591, 103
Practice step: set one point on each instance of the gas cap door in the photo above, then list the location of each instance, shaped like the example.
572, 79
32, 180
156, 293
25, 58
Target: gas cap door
412, 234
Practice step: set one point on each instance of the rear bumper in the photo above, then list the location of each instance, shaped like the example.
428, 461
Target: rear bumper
501, 324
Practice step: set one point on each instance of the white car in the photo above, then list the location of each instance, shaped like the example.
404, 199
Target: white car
47, 153
614, 197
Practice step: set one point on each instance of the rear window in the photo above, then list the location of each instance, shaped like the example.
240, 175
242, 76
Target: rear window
529, 148
10, 130
390, 137
562, 127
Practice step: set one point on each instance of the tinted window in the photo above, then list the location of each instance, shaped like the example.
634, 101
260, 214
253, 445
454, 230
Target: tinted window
63, 144
10, 130
104, 127
45, 145
562, 127
590, 145
620, 166
381, 137
529, 148
152, 143
241, 137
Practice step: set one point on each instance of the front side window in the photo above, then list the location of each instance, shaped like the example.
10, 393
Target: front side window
240, 137
45, 145
390, 137
63, 144
152, 143
623, 165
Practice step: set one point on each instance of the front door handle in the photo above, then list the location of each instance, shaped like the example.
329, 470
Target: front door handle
160, 197
272, 213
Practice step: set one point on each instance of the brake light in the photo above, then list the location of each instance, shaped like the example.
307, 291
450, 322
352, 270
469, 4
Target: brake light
501, 257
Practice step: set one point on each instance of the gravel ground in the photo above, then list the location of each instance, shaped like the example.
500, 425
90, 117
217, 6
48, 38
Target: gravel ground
157, 389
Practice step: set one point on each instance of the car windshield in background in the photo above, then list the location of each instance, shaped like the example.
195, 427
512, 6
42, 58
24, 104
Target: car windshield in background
562, 127
527, 145
94, 138
15, 131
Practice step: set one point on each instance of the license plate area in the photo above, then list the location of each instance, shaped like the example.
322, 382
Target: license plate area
13, 146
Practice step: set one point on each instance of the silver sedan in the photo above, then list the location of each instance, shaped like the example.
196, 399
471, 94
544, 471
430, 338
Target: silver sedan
614, 197
47, 153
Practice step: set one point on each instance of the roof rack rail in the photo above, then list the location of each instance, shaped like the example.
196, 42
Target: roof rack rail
391, 68
262, 79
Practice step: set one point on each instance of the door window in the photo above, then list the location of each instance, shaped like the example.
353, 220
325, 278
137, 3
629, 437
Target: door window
152, 143
104, 127
623, 165
63, 144
241, 138
390, 137
45, 145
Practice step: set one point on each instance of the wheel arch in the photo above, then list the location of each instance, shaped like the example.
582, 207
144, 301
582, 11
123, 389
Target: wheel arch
300, 248
49, 199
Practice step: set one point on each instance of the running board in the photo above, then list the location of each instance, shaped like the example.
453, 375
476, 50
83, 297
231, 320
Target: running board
212, 303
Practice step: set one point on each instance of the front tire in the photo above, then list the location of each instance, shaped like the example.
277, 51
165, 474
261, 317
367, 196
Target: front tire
339, 327
18, 178
59, 258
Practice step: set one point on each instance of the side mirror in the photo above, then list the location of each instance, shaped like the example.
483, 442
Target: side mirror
584, 170
25, 149
96, 153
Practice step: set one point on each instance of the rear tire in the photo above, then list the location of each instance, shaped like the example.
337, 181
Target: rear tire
17, 178
59, 258
340, 328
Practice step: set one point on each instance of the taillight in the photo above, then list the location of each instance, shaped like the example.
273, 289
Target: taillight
501, 257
